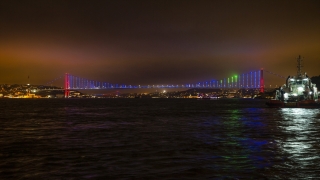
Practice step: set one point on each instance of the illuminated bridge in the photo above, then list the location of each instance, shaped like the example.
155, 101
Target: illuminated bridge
253, 79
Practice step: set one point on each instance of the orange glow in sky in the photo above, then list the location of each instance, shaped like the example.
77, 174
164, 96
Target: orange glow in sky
154, 42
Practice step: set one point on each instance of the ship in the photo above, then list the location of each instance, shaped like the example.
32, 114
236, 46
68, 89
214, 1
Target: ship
298, 91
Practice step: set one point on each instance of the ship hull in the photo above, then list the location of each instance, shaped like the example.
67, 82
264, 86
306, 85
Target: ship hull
300, 104
275, 103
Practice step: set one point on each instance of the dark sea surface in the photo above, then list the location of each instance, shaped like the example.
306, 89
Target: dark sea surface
157, 139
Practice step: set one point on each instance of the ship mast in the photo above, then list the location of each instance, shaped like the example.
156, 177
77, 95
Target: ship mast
299, 59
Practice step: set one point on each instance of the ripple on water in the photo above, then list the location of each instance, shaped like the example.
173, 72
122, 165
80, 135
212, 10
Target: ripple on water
157, 139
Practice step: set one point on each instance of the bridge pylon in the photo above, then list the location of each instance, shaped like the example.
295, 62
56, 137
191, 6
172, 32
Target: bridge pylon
66, 85
261, 81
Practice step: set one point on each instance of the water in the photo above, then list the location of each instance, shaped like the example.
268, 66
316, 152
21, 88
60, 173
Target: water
157, 139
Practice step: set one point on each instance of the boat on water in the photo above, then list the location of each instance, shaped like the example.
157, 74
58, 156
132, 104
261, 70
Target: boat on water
208, 98
298, 91
202, 96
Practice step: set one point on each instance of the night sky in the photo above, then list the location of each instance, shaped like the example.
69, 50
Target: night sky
155, 42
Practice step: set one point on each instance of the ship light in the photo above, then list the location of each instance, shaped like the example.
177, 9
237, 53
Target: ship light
310, 92
285, 95
300, 88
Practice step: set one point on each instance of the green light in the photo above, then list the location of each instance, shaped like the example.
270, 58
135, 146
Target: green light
231, 79
236, 77
228, 80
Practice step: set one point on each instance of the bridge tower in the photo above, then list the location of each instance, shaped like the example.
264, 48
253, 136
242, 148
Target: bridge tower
261, 81
66, 85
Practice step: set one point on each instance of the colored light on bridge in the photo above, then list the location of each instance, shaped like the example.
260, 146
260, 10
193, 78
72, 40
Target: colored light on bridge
248, 80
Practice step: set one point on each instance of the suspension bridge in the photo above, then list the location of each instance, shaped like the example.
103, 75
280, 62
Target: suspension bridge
249, 80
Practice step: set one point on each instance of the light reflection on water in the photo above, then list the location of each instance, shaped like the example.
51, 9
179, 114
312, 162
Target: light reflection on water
300, 140
239, 140
157, 139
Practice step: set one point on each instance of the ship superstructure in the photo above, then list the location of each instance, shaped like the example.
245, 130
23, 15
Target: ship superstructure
298, 90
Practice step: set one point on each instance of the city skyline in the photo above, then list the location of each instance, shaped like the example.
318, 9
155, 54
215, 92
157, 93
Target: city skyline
158, 42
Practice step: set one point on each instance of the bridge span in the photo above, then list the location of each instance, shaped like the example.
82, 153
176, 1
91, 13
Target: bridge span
253, 79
